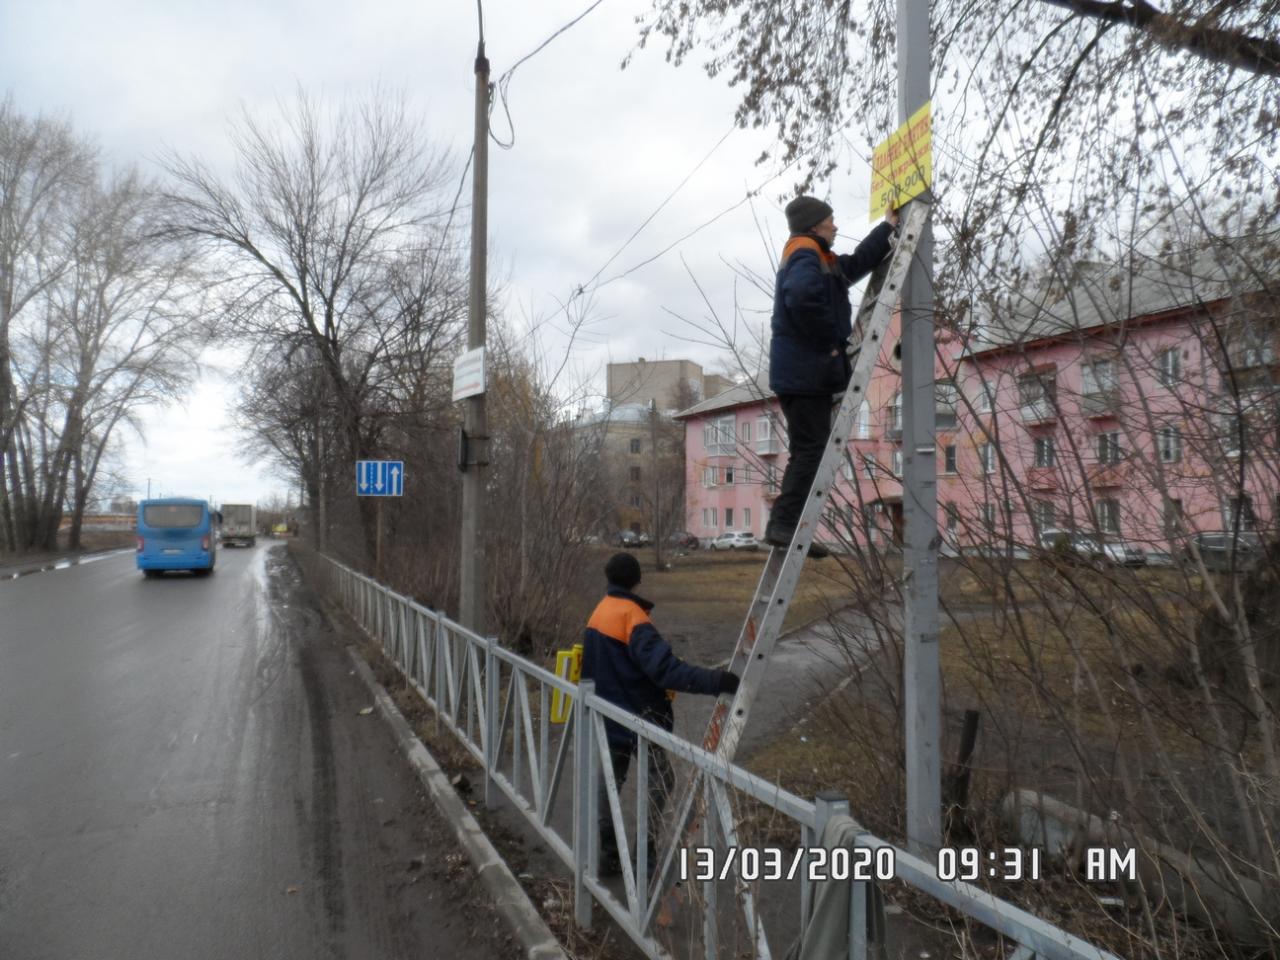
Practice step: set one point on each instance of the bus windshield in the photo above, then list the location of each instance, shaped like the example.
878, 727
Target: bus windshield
172, 515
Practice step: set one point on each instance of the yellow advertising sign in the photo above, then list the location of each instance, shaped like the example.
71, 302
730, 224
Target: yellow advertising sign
902, 166
568, 667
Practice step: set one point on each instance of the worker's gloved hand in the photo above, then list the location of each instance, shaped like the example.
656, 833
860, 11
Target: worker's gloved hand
728, 683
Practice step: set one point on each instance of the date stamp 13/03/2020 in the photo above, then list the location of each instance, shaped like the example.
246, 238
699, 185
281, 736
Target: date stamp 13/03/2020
965, 864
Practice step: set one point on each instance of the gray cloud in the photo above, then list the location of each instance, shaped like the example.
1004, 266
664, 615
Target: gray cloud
596, 149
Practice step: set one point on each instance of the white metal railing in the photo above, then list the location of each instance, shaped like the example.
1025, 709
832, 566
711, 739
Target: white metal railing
498, 705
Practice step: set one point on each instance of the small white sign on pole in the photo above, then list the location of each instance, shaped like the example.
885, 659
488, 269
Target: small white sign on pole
468, 374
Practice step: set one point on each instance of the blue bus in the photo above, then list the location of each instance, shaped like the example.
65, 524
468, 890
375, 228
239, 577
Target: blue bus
176, 533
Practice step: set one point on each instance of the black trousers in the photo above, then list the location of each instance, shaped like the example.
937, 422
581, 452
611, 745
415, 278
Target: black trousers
808, 428
662, 781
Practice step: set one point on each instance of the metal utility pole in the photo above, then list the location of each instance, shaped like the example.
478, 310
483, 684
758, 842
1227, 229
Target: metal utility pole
475, 422
921, 686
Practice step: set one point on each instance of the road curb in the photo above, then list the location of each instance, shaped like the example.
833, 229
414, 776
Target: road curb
512, 902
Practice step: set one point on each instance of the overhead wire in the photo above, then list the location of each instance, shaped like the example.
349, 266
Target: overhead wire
502, 87
504, 81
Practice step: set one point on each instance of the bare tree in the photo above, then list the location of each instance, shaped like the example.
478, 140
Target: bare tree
43, 167
327, 237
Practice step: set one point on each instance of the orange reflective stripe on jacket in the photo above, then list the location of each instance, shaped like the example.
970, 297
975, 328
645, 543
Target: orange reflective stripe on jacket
616, 617
825, 257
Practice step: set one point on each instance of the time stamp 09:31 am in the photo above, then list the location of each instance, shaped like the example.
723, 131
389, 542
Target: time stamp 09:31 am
968, 864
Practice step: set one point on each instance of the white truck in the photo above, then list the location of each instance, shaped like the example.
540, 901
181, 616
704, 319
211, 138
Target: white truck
239, 524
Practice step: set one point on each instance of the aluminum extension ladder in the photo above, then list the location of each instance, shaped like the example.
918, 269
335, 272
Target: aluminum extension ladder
781, 572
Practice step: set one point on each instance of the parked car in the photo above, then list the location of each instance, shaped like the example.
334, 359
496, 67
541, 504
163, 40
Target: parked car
683, 539
1217, 549
1090, 548
627, 538
735, 541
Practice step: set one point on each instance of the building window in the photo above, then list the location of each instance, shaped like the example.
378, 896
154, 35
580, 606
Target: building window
635, 446
953, 518
635, 474
896, 461
1240, 514
1169, 364
708, 476
1250, 346
1044, 455
982, 398
770, 478
1233, 434
745, 475
949, 459
945, 398
846, 468
637, 501
728, 477
895, 414
1106, 513
1099, 377
746, 518
1109, 447
709, 517
1043, 515
989, 516
862, 426
1169, 441
869, 465
1037, 394
1174, 518
987, 456
764, 431
718, 436
744, 431
728, 518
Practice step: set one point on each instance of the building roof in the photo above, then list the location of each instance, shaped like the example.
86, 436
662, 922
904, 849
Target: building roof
736, 396
618, 413
1100, 295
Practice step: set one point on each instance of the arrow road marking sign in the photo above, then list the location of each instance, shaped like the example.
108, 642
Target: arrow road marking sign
380, 478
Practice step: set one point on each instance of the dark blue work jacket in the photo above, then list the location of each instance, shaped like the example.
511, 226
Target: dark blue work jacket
632, 665
812, 318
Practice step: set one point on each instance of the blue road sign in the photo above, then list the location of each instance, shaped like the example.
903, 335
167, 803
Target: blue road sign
380, 478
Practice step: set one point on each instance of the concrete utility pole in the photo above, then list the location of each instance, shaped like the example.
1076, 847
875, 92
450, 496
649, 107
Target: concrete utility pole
475, 423
921, 688
657, 483
321, 520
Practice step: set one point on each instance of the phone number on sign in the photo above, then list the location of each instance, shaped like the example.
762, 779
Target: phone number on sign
772, 863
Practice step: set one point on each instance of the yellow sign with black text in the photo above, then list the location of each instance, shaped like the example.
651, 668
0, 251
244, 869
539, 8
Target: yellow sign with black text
902, 166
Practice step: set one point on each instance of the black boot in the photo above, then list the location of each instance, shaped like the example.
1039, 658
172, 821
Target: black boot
780, 537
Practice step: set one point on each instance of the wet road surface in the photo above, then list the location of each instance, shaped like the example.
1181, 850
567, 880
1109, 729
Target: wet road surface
185, 772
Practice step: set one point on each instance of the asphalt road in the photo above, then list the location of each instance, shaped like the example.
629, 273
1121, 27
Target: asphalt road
185, 772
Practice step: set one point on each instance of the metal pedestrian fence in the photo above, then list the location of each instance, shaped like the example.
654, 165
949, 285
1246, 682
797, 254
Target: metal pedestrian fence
759, 881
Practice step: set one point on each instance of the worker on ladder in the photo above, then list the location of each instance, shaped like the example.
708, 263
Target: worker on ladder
808, 360
635, 668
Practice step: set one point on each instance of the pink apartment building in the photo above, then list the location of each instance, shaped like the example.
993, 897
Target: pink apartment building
1140, 404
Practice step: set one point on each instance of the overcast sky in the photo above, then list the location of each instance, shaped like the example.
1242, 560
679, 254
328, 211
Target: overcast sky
596, 152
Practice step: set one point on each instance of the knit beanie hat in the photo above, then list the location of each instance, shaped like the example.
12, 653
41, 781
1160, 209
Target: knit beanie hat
805, 213
623, 570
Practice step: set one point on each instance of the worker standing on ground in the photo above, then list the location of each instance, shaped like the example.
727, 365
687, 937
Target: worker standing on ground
635, 669
808, 363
